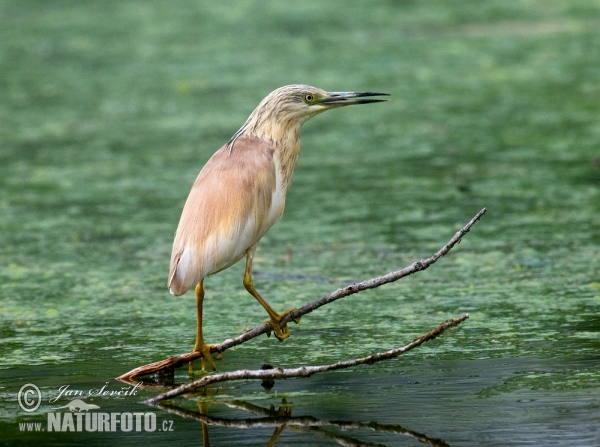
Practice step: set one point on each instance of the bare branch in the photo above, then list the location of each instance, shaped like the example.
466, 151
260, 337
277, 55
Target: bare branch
183, 359
306, 371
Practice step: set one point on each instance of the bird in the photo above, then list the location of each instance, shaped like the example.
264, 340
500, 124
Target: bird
240, 194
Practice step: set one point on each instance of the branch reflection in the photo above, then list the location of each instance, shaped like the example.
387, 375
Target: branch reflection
281, 419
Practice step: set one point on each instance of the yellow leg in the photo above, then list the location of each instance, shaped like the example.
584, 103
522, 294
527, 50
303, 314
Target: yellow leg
200, 346
274, 317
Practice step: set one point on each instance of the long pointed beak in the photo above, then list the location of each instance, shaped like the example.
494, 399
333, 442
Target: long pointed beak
340, 99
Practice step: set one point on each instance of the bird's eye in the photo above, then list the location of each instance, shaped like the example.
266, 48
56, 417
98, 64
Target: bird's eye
309, 98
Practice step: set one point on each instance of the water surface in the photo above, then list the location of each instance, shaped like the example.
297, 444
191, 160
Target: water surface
109, 112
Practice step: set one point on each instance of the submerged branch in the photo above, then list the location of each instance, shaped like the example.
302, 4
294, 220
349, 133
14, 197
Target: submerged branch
306, 371
183, 359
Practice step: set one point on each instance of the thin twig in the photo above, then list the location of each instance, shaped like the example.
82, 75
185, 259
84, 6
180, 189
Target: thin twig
183, 359
306, 371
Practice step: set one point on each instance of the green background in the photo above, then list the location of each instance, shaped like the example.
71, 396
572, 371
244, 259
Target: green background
109, 109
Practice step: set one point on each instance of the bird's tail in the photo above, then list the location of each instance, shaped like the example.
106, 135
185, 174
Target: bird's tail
180, 275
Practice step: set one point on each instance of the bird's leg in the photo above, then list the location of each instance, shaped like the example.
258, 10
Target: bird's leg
274, 317
200, 346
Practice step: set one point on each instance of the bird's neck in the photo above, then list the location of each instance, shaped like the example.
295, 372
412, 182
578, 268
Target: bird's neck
285, 137
286, 157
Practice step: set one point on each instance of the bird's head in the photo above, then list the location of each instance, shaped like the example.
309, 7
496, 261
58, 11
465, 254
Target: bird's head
292, 105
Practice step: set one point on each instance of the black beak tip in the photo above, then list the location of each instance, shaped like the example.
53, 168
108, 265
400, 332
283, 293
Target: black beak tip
373, 94
348, 98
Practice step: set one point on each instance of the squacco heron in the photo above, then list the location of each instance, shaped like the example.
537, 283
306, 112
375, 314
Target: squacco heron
240, 193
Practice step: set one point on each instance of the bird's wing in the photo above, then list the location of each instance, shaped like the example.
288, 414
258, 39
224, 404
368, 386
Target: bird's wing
230, 207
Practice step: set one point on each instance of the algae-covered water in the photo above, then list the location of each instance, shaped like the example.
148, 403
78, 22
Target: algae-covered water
109, 109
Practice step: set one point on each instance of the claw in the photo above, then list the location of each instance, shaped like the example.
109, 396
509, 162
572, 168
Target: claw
206, 356
281, 332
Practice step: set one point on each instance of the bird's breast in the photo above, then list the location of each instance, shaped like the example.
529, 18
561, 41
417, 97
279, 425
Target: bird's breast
277, 197
235, 200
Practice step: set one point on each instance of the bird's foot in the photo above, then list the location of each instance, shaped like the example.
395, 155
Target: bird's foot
275, 321
206, 356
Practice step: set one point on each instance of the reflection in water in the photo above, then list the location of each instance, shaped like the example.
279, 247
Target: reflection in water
282, 419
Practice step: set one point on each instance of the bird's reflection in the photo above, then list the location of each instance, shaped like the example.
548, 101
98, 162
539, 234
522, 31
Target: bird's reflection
281, 419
